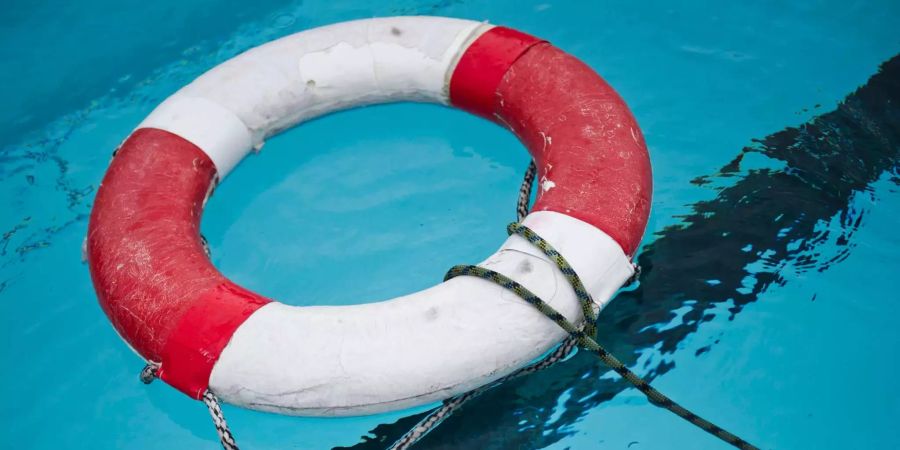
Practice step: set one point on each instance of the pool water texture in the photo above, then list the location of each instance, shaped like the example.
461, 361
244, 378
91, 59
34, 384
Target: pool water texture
768, 298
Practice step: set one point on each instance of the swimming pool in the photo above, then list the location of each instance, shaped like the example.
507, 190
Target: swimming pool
766, 301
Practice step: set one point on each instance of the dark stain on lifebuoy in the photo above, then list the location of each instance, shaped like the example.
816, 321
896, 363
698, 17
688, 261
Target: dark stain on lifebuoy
525, 267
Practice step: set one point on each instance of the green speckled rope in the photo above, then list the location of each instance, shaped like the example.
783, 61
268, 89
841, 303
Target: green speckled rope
584, 338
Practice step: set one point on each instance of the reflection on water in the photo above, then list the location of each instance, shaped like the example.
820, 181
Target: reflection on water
786, 203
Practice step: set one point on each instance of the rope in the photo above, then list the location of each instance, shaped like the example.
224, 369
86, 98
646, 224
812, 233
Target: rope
525, 192
215, 411
151, 371
578, 337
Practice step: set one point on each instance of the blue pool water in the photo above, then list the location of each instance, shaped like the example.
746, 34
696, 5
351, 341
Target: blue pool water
767, 301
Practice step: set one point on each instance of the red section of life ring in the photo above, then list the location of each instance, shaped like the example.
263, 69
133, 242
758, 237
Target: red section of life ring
152, 276
591, 157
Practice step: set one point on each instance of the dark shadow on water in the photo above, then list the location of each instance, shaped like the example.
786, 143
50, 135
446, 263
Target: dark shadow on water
794, 206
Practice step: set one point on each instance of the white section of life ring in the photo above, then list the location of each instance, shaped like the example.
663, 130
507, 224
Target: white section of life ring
361, 359
237, 105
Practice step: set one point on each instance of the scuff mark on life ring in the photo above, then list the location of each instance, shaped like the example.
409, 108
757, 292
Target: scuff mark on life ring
546, 184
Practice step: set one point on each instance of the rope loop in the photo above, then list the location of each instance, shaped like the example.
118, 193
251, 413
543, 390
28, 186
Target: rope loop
149, 372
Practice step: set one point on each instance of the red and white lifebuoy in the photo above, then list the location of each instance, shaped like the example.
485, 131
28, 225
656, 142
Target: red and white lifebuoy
166, 299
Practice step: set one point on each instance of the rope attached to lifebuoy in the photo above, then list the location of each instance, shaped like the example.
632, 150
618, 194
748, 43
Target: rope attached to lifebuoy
150, 372
215, 411
585, 340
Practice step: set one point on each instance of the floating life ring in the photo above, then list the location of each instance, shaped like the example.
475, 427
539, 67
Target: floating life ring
165, 298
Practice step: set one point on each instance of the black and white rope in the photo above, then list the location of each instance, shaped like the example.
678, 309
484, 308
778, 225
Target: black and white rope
205, 245
525, 192
151, 371
225, 436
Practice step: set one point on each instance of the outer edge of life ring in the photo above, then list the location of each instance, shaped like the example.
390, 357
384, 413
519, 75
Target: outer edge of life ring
172, 306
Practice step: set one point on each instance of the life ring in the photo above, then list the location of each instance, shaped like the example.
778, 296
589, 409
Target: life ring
165, 298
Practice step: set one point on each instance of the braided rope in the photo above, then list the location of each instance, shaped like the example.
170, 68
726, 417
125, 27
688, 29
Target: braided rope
205, 245
585, 340
215, 411
150, 372
525, 192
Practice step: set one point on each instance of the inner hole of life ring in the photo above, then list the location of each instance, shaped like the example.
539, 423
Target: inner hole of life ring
366, 204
